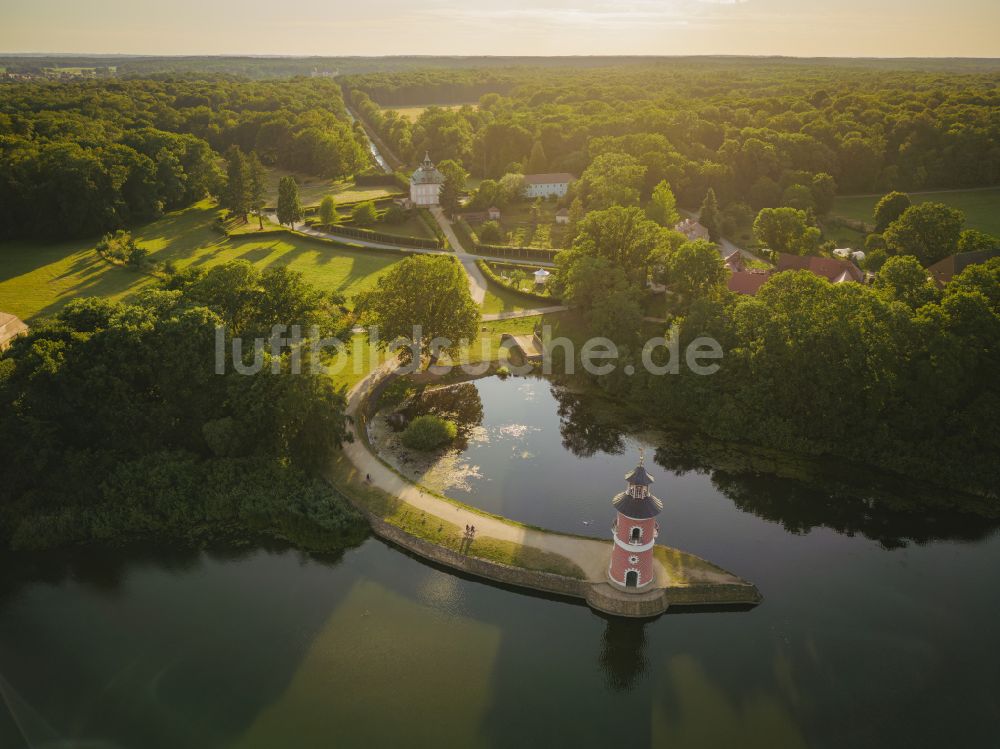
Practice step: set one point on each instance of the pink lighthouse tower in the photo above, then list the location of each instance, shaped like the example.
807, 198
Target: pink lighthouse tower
635, 532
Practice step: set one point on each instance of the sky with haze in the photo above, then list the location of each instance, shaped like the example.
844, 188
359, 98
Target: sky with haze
869, 28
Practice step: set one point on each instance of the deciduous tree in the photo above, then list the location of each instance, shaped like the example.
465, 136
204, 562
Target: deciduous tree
695, 269
786, 230
928, 231
889, 208
662, 207
427, 292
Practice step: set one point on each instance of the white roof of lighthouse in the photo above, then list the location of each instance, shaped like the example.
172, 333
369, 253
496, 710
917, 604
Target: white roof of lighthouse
427, 173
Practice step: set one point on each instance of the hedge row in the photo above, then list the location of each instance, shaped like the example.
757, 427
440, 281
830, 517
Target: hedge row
528, 253
465, 234
378, 236
379, 202
500, 280
431, 223
402, 181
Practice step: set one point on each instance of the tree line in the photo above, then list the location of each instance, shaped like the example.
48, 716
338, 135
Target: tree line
117, 425
82, 158
899, 373
758, 133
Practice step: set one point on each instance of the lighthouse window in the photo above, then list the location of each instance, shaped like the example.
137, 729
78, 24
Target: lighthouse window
633, 559
636, 534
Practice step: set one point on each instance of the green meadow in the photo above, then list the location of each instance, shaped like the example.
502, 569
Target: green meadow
313, 189
37, 279
981, 207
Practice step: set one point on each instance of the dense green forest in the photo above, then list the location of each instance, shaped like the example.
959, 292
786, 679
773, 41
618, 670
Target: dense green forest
898, 373
116, 425
748, 129
81, 157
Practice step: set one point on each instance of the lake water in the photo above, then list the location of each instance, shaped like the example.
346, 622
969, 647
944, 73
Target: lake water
873, 632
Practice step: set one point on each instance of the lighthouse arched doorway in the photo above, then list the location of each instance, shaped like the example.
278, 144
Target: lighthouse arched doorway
631, 579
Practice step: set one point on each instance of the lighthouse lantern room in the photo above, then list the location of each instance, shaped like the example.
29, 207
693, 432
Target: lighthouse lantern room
635, 531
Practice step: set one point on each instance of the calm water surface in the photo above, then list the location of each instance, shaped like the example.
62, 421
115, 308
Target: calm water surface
876, 629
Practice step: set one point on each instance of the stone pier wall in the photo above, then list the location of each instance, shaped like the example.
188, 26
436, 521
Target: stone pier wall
502, 573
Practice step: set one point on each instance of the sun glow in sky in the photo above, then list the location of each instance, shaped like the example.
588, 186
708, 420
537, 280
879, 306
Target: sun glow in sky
870, 28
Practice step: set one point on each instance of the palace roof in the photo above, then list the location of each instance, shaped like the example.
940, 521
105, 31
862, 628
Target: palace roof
427, 174
637, 508
639, 476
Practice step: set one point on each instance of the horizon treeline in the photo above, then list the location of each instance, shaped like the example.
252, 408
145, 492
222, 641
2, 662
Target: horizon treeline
748, 130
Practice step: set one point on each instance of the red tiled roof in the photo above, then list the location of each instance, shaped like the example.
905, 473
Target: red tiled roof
827, 267
747, 282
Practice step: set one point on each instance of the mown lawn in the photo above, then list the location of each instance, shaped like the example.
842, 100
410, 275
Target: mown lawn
499, 299
981, 207
36, 279
313, 189
413, 226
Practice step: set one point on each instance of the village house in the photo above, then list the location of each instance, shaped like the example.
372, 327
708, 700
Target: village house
692, 229
547, 185
832, 269
744, 281
493, 212
747, 281
944, 270
562, 216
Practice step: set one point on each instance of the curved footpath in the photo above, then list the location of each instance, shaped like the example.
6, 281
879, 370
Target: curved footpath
681, 578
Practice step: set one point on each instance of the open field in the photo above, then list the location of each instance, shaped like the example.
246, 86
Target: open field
37, 279
413, 113
313, 189
981, 207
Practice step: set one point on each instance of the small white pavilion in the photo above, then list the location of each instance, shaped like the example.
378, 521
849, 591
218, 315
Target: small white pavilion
425, 183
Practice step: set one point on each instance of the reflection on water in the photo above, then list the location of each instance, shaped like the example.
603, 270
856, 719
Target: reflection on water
511, 465
584, 433
623, 656
873, 631
459, 404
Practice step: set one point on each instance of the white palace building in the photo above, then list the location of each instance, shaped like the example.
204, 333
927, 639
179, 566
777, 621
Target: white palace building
425, 183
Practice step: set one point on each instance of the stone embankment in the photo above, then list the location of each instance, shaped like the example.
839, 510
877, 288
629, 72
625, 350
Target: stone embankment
682, 579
